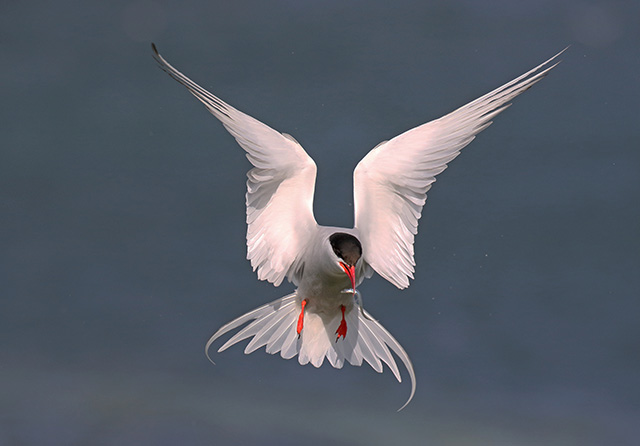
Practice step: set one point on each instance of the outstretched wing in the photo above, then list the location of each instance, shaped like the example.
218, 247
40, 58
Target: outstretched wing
279, 187
391, 182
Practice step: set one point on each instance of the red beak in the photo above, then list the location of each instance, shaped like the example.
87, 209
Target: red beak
351, 272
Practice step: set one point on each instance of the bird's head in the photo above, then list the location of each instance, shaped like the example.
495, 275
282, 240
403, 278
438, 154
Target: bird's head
348, 250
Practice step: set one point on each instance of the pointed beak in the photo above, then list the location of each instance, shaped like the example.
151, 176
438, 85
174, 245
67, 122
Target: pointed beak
351, 272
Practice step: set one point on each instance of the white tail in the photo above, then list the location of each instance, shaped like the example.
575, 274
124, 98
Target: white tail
274, 326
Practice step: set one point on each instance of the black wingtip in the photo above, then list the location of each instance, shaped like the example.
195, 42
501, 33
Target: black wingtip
156, 55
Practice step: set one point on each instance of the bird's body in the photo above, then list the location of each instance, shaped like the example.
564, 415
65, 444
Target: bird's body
324, 317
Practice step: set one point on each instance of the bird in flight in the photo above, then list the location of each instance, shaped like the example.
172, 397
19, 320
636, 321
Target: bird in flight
324, 316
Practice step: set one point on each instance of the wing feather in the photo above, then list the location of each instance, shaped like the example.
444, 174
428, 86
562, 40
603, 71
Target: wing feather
392, 181
279, 187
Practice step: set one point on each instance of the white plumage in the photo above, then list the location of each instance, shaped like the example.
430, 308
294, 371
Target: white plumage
327, 263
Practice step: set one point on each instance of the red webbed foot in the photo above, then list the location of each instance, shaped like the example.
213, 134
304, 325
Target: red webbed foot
301, 317
342, 329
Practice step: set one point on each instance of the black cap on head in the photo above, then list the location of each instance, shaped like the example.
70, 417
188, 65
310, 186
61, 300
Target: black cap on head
346, 246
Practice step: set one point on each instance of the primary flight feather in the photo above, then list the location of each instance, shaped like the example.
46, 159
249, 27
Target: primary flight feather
324, 317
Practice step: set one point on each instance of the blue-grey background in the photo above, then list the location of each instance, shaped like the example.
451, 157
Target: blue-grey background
122, 221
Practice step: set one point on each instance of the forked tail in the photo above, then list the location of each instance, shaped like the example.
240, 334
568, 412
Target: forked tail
274, 325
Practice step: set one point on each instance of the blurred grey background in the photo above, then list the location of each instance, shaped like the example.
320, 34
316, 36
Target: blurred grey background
122, 221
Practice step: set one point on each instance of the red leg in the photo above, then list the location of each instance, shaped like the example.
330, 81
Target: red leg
342, 329
301, 317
